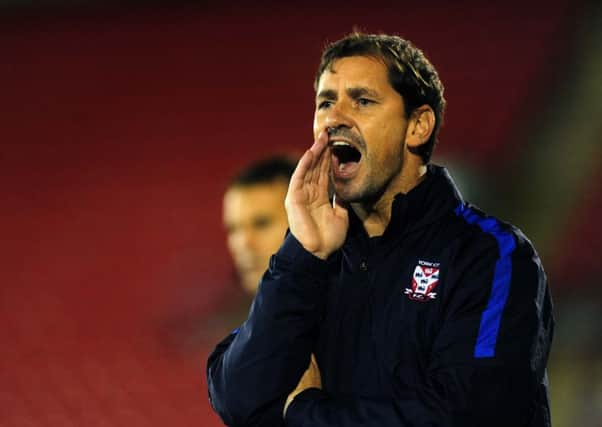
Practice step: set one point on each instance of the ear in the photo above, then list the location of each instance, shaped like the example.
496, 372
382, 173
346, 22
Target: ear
420, 126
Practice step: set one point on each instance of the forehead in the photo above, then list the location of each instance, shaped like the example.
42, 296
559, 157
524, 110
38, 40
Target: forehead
352, 71
252, 200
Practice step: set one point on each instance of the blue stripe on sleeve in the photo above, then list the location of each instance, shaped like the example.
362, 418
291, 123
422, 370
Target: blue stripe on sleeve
492, 316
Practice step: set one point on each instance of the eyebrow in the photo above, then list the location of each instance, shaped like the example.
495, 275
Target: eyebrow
353, 92
327, 94
358, 92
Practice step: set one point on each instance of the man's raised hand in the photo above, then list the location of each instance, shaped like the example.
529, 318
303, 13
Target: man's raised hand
319, 226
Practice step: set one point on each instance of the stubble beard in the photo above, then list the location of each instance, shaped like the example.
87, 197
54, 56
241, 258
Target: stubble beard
369, 191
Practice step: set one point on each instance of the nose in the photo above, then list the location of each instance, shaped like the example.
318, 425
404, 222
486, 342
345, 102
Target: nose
241, 242
246, 239
338, 116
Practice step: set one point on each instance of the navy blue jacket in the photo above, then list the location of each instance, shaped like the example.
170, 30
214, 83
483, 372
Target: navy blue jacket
444, 320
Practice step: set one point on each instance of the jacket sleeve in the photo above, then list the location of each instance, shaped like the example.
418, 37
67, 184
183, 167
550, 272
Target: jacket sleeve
487, 362
252, 371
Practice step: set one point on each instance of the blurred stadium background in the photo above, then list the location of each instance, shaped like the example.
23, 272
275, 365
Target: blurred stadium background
122, 122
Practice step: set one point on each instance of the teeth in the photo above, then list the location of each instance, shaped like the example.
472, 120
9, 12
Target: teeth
341, 143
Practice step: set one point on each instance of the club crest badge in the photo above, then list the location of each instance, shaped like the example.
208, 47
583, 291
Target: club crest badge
424, 281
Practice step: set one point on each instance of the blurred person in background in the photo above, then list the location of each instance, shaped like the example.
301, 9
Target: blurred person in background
420, 309
254, 217
255, 222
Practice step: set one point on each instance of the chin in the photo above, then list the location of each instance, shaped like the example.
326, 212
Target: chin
347, 194
343, 189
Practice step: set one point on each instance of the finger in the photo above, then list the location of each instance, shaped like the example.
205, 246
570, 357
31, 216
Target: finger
320, 176
320, 143
299, 175
339, 207
313, 362
318, 151
323, 176
315, 370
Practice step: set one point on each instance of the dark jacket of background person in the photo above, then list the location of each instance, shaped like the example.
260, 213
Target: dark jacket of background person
469, 351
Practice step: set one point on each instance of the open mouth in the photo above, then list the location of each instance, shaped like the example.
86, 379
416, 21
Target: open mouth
345, 152
345, 158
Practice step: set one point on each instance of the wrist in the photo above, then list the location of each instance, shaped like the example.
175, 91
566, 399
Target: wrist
300, 259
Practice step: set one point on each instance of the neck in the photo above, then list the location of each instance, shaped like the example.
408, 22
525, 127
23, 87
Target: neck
376, 216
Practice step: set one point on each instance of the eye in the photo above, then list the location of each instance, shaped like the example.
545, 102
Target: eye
364, 102
262, 222
324, 104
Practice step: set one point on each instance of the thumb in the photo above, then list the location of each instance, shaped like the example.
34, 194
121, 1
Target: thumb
339, 207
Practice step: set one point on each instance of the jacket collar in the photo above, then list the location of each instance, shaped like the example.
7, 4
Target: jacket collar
434, 197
